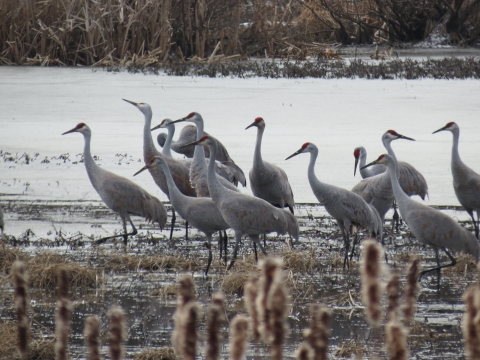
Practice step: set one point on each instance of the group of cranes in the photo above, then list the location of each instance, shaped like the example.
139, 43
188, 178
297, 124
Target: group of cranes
202, 191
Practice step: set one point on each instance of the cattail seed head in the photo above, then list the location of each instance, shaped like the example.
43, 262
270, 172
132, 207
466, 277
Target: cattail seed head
393, 296
304, 352
470, 331
20, 295
92, 333
215, 321
238, 337
396, 340
190, 318
117, 332
411, 285
318, 334
251, 293
186, 295
62, 317
277, 305
372, 270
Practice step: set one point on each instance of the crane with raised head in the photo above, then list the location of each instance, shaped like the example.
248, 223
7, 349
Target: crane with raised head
346, 207
198, 169
268, 181
245, 214
121, 195
466, 182
430, 226
179, 171
200, 212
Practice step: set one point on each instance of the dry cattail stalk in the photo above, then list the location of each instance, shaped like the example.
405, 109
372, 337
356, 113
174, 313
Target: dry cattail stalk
371, 285
318, 334
251, 292
304, 352
117, 332
20, 294
190, 319
186, 294
411, 285
92, 332
396, 340
238, 337
393, 297
62, 317
269, 267
471, 332
215, 321
277, 305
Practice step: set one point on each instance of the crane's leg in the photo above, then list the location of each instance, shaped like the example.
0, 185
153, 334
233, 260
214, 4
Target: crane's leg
220, 243
186, 230
225, 244
395, 218
173, 223
255, 251
265, 240
125, 235
438, 268
476, 224
346, 242
355, 239
209, 246
238, 237
256, 241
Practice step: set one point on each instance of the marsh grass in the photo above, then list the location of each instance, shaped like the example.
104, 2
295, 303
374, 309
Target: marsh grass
164, 353
125, 262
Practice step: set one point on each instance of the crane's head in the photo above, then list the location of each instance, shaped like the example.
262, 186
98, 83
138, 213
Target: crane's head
193, 117
451, 126
391, 135
164, 124
81, 128
259, 123
143, 107
154, 161
383, 159
307, 147
358, 153
205, 140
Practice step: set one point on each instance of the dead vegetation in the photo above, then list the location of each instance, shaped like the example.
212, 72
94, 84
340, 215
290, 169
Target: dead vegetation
127, 262
165, 353
346, 350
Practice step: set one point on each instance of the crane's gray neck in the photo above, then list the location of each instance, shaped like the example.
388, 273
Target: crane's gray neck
320, 189
392, 170
149, 150
199, 152
455, 154
257, 158
216, 189
388, 146
90, 164
168, 143
175, 196
363, 161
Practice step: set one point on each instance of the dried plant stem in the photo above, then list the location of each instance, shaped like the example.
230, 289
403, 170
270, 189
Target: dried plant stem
20, 295
117, 332
304, 352
277, 304
371, 270
411, 285
92, 332
62, 317
318, 334
238, 337
251, 293
190, 313
396, 340
471, 332
215, 321
186, 295
393, 297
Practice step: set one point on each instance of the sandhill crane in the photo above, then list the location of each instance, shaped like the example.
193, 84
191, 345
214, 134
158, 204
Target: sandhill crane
119, 194
226, 169
346, 207
466, 182
360, 154
245, 214
430, 226
198, 169
201, 213
268, 181
179, 172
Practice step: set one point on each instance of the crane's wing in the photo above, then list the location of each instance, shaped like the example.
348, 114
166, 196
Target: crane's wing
231, 172
412, 181
357, 211
188, 134
204, 215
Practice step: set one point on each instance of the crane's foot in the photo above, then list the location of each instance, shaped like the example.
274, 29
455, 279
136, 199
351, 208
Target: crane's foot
209, 247
125, 238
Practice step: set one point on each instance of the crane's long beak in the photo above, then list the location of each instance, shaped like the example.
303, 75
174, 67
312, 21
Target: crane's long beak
355, 168
294, 154
190, 144
400, 136
372, 163
156, 127
252, 124
70, 131
441, 129
131, 102
141, 170
179, 120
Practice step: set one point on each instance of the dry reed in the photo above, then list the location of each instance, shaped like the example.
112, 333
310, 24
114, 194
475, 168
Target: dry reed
411, 285
371, 270
396, 340
20, 295
215, 320
62, 317
92, 332
238, 337
319, 332
393, 297
471, 332
117, 332
251, 292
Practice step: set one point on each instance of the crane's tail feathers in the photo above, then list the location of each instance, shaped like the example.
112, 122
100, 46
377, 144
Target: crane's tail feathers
234, 174
155, 212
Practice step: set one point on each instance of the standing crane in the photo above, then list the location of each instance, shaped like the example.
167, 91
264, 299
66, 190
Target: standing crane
200, 212
198, 169
268, 181
119, 194
179, 172
466, 182
430, 226
245, 214
348, 208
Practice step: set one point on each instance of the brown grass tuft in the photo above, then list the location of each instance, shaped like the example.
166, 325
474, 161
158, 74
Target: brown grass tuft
372, 270
234, 281
117, 332
215, 320
20, 294
152, 263
38, 347
396, 340
319, 332
350, 348
165, 353
393, 297
92, 332
413, 271
238, 337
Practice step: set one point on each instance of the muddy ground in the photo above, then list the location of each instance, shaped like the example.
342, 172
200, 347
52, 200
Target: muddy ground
142, 278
